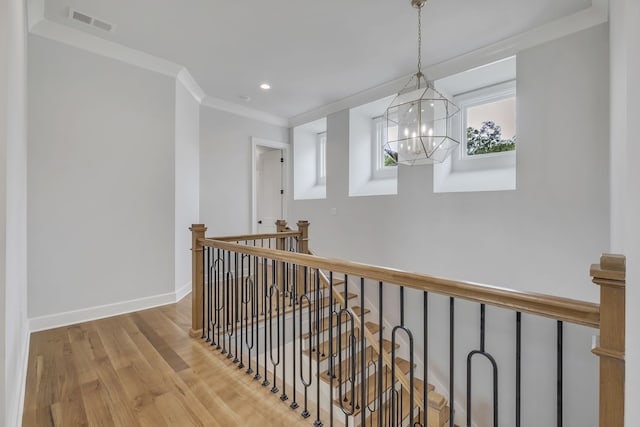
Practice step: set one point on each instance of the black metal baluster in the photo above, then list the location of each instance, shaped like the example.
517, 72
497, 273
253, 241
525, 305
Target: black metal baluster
254, 313
394, 404
306, 383
331, 368
244, 294
227, 310
207, 284
559, 390
203, 294
235, 306
518, 365
380, 349
219, 300
494, 366
425, 375
285, 287
249, 314
363, 390
344, 313
451, 350
294, 404
265, 382
317, 422
273, 290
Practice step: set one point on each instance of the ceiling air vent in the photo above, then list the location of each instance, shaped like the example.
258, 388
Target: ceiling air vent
90, 20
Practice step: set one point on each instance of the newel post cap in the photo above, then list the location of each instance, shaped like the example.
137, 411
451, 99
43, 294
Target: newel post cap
612, 268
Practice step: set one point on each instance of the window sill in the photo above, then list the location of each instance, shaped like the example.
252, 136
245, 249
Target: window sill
317, 192
491, 173
376, 187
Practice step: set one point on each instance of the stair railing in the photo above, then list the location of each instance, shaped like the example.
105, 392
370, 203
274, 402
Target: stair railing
265, 297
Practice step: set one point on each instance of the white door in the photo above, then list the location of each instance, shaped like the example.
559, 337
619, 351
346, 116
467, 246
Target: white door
269, 194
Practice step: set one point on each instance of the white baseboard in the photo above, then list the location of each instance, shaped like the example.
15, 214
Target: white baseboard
183, 291
14, 415
99, 312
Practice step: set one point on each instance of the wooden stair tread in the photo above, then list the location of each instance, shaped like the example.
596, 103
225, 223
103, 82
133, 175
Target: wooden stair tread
372, 386
373, 418
324, 323
444, 419
372, 327
324, 347
357, 310
370, 354
436, 400
336, 282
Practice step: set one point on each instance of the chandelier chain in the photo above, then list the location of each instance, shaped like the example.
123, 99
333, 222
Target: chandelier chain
419, 39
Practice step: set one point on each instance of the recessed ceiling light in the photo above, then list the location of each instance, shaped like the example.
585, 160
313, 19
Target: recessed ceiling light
265, 86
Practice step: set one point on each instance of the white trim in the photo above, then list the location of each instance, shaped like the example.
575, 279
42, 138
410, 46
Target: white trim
241, 110
321, 158
378, 156
24, 359
597, 14
106, 48
182, 292
99, 312
255, 142
191, 85
35, 13
474, 98
79, 39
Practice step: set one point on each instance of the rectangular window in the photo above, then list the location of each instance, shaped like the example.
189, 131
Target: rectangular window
321, 145
384, 158
490, 124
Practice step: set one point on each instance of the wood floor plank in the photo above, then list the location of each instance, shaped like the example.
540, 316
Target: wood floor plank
142, 369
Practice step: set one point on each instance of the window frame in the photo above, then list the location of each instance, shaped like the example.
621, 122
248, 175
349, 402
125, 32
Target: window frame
474, 98
321, 158
378, 141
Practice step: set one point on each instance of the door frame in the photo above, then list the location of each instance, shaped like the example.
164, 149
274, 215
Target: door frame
261, 142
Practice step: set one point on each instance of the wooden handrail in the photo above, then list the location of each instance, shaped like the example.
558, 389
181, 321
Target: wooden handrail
248, 237
565, 309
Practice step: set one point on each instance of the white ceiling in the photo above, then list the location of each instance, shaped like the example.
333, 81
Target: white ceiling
311, 52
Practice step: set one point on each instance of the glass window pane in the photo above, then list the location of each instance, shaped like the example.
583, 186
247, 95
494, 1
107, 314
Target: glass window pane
491, 127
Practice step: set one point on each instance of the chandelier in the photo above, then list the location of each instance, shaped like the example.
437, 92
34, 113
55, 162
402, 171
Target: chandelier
419, 118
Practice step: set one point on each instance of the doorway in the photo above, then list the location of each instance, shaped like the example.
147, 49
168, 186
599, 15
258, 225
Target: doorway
269, 169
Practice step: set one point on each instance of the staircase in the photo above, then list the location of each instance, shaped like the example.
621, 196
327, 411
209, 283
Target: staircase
305, 329
344, 384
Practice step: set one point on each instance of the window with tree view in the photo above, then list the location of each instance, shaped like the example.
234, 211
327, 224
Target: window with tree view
491, 127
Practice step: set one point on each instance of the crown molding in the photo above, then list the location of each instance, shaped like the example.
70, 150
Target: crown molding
40, 26
191, 85
597, 14
35, 13
102, 47
241, 110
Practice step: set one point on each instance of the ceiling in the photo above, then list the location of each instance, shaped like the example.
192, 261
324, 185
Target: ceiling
311, 52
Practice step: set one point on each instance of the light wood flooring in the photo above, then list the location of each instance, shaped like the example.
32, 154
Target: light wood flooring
142, 369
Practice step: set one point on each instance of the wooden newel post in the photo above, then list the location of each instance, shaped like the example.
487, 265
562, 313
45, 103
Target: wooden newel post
197, 281
303, 228
610, 276
281, 227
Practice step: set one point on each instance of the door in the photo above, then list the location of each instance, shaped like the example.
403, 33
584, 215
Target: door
269, 189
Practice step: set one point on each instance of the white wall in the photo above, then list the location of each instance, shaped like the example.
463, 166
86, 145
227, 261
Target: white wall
541, 237
101, 180
225, 169
187, 182
625, 176
13, 207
